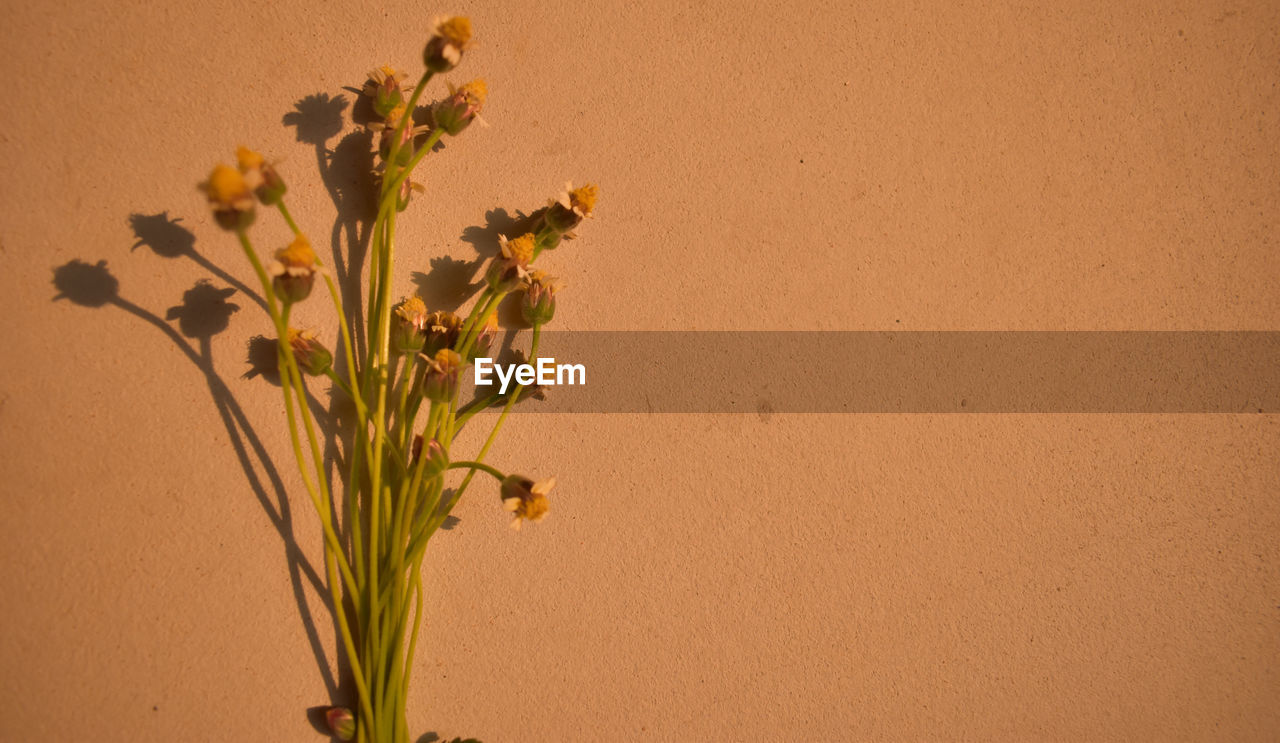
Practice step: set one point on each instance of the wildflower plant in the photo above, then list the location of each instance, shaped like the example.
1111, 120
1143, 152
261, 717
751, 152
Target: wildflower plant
405, 387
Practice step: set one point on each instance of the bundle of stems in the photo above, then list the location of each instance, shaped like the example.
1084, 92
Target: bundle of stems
398, 457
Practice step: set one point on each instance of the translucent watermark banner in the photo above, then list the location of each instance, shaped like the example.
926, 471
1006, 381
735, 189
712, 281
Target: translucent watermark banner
901, 372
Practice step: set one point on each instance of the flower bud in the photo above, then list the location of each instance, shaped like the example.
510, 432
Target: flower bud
293, 272
573, 205
230, 198
341, 722
408, 326
484, 339
441, 380
436, 461
539, 304
387, 137
312, 357
451, 36
525, 499
463, 106
383, 87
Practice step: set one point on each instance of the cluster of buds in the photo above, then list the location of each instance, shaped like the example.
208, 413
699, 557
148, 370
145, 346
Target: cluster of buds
462, 107
450, 37
509, 269
525, 499
312, 357
539, 304
293, 272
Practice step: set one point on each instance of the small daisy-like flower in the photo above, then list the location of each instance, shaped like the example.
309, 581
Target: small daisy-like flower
230, 197
261, 176
408, 331
386, 135
311, 355
293, 272
450, 37
463, 106
525, 499
573, 205
539, 304
385, 88
509, 269
443, 370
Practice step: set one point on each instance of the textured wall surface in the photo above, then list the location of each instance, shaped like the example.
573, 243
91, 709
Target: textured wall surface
881, 166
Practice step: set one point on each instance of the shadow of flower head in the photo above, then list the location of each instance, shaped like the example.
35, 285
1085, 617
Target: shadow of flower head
449, 282
318, 118
163, 235
86, 284
262, 359
204, 311
351, 175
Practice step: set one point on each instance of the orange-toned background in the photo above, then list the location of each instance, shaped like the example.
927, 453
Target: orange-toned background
886, 166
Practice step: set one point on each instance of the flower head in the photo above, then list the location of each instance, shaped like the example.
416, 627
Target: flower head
443, 370
230, 197
539, 304
293, 272
484, 339
410, 323
573, 205
260, 175
341, 722
450, 37
526, 499
463, 106
511, 266
442, 329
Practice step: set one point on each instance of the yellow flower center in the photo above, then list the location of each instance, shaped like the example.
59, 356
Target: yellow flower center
447, 359
393, 118
388, 72
475, 92
455, 30
520, 249
535, 507
226, 185
585, 198
299, 253
248, 159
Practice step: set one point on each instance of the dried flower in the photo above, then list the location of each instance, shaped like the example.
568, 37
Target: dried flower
261, 176
408, 330
442, 331
573, 205
441, 380
539, 304
509, 269
230, 198
450, 37
293, 272
384, 87
312, 357
341, 722
463, 106
526, 499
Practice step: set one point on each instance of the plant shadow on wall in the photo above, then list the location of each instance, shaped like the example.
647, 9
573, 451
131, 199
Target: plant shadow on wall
396, 475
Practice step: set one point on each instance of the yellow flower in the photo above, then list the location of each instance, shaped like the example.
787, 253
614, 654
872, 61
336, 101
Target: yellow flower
230, 197
293, 272
567, 210
526, 499
247, 159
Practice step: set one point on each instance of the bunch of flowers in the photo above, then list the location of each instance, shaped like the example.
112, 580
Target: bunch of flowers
405, 389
